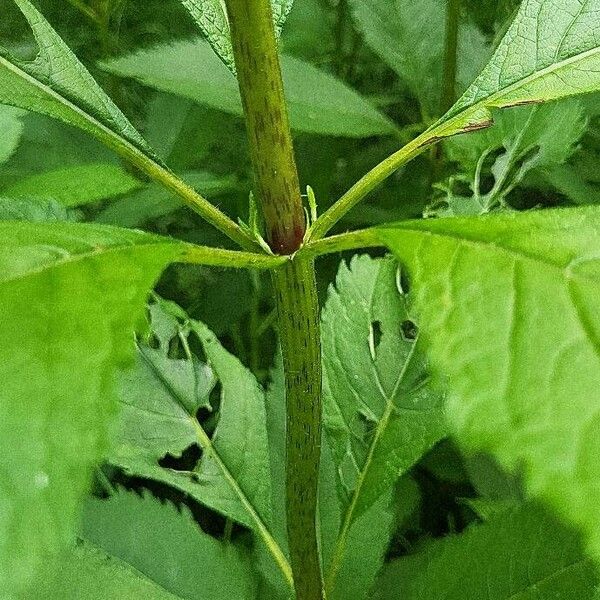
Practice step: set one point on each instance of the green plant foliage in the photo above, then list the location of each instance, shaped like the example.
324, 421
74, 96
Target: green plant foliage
546, 561
70, 295
525, 70
381, 423
523, 141
87, 572
159, 401
74, 186
318, 102
509, 305
158, 540
211, 17
58, 85
37, 210
154, 201
12, 130
399, 31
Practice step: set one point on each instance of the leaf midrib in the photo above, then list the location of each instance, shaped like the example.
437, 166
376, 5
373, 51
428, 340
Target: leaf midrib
495, 99
207, 445
75, 258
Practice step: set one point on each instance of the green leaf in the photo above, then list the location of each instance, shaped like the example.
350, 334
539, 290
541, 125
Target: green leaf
160, 399
167, 545
318, 102
58, 85
77, 185
380, 415
211, 17
368, 537
509, 306
36, 210
70, 296
11, 127
525, 139
87, 572
366, 541
400, 31
550, 51
155, 201
522, 554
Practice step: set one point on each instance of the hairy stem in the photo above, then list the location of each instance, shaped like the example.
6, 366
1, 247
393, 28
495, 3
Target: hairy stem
218, 257
298, 317
271, 151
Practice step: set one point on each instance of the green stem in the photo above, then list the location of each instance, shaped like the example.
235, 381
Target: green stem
218, 257
368, 183
353, 240
298, 313
272, 154
267, 123
450, 56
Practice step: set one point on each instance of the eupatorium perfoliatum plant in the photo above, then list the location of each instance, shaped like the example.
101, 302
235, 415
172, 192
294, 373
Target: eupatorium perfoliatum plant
194, 405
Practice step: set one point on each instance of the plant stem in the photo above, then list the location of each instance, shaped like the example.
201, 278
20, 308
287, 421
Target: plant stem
353, 240
368, 183
298, 318
450, 55
218, 257
271, 151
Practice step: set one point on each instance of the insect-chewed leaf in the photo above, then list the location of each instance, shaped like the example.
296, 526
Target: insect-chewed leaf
510, 311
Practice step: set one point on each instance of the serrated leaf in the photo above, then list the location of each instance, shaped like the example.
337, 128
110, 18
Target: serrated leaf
58, 85
520, 554
367, 538
87, 572
11, 127
211, 17
366, 541
380, 414
165, 544
317, 101
400, 31
77, 185
161, 398
550, 51
70, 296
509, 306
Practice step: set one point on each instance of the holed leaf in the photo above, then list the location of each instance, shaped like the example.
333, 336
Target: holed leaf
70, 296
380, 413
509, 307
160, 402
